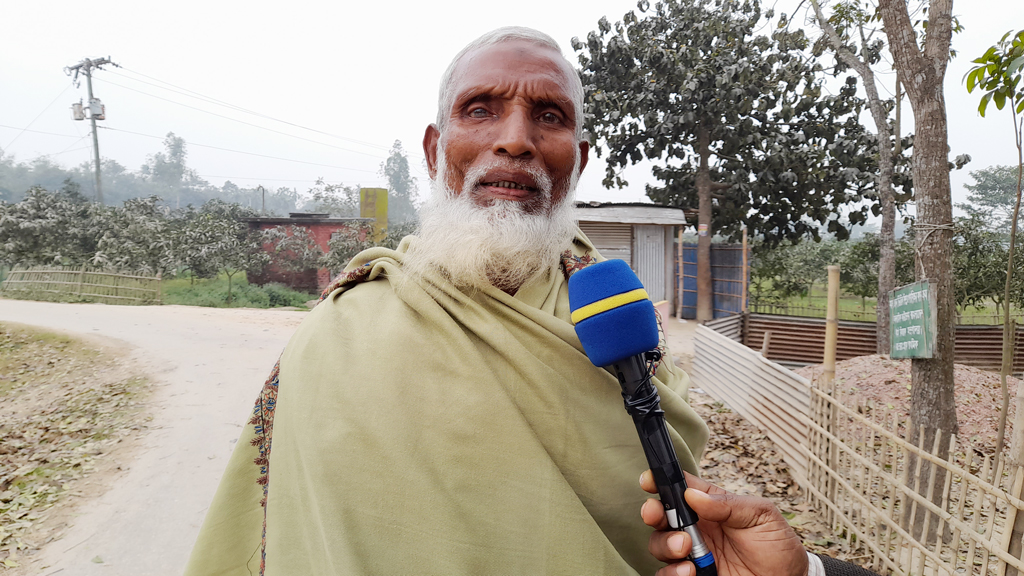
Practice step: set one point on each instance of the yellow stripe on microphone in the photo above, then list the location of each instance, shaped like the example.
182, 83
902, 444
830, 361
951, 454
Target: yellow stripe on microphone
608, 303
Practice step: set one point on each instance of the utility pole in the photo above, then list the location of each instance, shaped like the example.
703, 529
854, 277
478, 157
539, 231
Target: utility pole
96, 109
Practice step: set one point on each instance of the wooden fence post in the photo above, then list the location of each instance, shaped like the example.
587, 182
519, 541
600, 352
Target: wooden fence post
831, 325
765, 342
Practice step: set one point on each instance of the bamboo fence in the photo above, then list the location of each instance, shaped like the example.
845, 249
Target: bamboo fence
92, 285
873, 486
866, 479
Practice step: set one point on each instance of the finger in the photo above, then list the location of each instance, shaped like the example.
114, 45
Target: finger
669, 546
701, 484
653, 513
730, 509
678, 569
647, 482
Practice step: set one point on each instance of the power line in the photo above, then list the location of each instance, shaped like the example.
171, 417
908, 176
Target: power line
283, 179
242, 121
197, 95
26, 129
243, 152
36, 132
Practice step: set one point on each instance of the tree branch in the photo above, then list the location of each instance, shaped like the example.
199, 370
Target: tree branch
939, 33
903, 42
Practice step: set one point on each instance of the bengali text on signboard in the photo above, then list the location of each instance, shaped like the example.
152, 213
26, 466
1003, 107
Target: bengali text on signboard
912, 321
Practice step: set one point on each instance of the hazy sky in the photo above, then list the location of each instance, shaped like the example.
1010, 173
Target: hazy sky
362, 73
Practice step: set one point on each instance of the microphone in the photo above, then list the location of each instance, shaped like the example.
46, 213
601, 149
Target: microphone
615, 321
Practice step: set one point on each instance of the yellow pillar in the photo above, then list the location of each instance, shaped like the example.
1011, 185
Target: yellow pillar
373, 203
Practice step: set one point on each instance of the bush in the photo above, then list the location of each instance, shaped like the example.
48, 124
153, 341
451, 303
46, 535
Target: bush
214, 293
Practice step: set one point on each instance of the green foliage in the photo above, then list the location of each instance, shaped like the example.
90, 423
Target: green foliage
979, 264
791, 269
214, 293
789, 156
348, 242
49, 228
401, 186
338, 200
992, 196
999, 74
294, 247
134, 237
858, 272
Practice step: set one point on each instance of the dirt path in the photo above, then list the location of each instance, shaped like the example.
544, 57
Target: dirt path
207, 366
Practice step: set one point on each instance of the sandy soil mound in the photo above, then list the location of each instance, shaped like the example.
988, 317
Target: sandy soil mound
886, 382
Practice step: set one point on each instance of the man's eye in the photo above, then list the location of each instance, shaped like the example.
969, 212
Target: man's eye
550, 118
478, 113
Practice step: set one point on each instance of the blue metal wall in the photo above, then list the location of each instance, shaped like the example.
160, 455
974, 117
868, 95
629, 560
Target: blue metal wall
726, 279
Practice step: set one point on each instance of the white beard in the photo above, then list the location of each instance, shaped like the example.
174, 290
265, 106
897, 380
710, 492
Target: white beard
499, 245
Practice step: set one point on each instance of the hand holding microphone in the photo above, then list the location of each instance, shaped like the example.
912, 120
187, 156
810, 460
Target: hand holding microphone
747, 534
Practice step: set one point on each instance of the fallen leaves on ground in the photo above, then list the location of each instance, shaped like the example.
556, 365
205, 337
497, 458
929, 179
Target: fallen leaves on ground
742, 460
63, 406
886, 383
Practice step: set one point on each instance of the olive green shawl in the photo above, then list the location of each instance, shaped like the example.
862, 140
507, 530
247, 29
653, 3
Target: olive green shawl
417, 428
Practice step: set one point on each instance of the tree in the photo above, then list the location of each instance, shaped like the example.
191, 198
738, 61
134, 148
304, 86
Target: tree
294, 247
338, 200
195, 239
401, 186
738, 123
237, 247
135, 238
922, 69
993, 195
850, 17
999, 74
979, 263
860, 264
49, 228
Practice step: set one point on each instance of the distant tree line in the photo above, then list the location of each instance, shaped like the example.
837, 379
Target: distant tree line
166, 175
980, 244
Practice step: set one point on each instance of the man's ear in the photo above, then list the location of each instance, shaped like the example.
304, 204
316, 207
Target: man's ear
430, 140
584, 154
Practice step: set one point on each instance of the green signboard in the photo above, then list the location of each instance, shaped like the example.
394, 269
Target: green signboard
912, 321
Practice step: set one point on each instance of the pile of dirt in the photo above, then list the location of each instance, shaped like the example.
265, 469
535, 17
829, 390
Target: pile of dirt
65, 407
742, 460
886, 383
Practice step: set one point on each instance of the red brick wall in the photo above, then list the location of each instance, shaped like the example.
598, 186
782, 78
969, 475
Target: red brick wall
311, 280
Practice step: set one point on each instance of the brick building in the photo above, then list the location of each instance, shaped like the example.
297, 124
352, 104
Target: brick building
321, 227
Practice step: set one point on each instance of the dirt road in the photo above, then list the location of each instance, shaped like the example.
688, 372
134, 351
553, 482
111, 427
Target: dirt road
207, 366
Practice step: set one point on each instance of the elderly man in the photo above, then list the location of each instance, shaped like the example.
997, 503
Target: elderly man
435, 413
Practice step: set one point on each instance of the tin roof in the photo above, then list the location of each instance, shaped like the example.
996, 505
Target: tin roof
632, 213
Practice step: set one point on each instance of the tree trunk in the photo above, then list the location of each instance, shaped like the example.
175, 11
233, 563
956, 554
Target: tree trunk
1009, 327
705, 297
932, 399
886, 195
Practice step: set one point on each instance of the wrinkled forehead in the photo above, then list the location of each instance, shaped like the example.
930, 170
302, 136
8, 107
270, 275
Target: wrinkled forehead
515, 65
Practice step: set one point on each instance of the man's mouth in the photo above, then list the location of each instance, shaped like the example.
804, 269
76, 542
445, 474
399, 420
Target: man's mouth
508, 184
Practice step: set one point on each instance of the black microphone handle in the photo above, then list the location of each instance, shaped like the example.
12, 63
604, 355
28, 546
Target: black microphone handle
643, 404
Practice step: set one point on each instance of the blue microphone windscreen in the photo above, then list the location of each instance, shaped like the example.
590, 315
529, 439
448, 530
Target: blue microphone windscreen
613, 315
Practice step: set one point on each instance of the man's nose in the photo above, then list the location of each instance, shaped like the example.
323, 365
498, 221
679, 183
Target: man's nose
515, 135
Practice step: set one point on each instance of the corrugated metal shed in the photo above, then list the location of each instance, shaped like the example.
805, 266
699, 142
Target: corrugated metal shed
640, 234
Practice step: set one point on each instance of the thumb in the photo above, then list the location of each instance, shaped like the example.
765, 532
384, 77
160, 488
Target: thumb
731, 510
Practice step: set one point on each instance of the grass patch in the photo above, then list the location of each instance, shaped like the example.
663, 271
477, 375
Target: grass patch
65, 404
857, 308
213, 292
